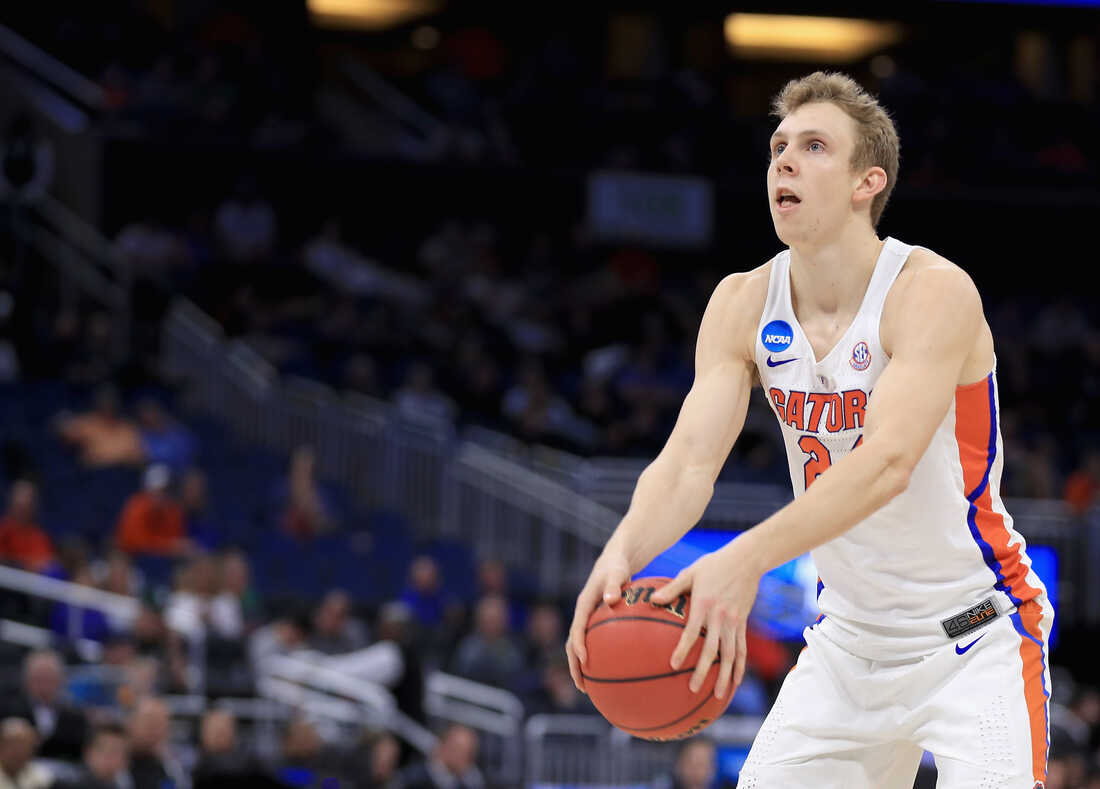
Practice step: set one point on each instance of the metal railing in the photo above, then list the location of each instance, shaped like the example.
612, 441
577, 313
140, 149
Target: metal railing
543, 510
495, 713
584, 750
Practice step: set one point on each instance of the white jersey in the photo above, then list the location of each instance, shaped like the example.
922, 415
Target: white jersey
942, 556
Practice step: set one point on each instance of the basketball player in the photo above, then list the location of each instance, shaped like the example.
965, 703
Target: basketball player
878, 363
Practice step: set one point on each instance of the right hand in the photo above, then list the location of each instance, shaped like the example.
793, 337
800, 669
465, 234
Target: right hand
610, 573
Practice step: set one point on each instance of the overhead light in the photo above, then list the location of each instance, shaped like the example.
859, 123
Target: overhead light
369, 14
814, 38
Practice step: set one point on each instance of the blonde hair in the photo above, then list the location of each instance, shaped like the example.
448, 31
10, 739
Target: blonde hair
877, 141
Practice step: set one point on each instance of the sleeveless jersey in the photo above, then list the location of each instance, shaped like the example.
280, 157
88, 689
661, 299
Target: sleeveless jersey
937, 550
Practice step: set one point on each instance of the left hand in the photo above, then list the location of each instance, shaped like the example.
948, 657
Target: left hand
723, 590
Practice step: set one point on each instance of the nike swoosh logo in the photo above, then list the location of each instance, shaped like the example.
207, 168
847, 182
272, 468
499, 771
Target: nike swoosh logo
960, 650
781, 361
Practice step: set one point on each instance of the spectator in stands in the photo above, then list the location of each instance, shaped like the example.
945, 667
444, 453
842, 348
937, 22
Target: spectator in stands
106, 761
22, 540
544, 634
375, 760
189, 610
221, 756
538, 413
201, 527
152, 763
555, 692
117, 574
151, 521
17, 744
76, 622
452, 764
1082, 488
26, 161
246, 225
391, 661
101, 436
335, 630
284, 635
62, 728
237, 592
154, 641
492, 579
419, 400
489, 654
423, 591
696, 768
306, 761
164, 440
305, 509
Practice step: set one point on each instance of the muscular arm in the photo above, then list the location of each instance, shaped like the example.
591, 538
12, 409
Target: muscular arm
935, 331
674, 489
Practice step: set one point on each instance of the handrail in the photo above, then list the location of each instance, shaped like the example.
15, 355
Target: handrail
81, 234
400, 105
473, 692
318, 679
594, 521
40, 638
120, 606
50, 69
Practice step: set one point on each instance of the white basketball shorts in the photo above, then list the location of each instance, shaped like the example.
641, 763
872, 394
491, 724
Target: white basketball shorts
980, 705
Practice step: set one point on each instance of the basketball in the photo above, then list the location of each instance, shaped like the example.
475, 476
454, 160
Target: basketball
628, 676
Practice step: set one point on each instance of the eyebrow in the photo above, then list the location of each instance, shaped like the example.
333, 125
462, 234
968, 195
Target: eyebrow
806, 133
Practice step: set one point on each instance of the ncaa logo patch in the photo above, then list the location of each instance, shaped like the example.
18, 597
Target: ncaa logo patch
861, 356
777, 336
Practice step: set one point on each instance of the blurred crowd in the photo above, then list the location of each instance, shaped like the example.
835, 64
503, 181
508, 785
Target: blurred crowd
460, 317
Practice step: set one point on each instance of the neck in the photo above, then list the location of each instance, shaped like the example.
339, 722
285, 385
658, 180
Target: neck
830, 275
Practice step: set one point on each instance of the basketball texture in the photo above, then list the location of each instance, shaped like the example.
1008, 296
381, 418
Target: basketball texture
628, 676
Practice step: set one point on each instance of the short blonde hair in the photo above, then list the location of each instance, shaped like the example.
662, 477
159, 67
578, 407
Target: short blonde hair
877, 141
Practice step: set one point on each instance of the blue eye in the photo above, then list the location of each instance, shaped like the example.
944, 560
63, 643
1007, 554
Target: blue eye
779, 148
816, 146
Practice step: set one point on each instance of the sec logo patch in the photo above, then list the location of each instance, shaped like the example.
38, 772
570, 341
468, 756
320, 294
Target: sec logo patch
861, 356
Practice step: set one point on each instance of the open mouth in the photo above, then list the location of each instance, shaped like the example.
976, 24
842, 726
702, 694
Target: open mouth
785, 198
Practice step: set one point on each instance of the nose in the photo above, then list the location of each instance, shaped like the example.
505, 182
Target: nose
784, 163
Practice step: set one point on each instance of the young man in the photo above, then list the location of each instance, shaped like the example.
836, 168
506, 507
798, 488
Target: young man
878, 363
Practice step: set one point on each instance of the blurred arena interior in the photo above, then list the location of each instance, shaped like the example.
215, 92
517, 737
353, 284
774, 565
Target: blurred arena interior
334, 335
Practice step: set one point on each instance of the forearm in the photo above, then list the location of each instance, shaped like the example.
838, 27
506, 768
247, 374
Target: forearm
667, 501
860, 484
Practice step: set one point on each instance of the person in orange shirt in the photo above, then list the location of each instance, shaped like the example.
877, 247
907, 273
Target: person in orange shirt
22, 541
152, 521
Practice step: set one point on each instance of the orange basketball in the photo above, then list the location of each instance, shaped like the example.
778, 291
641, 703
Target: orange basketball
628, 676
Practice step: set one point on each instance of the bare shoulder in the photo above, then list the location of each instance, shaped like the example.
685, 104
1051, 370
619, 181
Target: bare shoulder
743, 291
928, 285
737, 304
931, 288
925, 270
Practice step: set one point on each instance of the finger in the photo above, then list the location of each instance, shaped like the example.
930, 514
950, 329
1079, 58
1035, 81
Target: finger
727, 650
742, 657
691, 632
587, 601
706, 657
612, 591
673, 589
574, 665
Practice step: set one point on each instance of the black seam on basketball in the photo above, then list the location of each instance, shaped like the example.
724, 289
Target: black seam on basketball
638, 679
714, 662
706, 697
635, 619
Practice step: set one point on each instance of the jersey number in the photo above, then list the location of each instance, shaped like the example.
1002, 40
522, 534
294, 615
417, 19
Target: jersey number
819, 458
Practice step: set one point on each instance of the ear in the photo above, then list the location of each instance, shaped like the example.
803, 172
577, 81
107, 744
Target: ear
872, 182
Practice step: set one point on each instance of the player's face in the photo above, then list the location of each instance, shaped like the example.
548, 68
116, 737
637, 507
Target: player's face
810, 179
